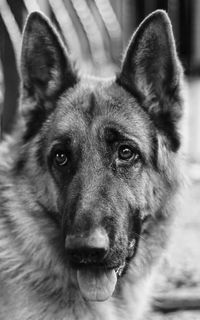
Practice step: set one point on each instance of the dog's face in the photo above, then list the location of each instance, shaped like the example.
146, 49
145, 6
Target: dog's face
98, 144
97, 157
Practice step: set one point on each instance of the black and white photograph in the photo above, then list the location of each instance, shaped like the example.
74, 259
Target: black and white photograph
99, 159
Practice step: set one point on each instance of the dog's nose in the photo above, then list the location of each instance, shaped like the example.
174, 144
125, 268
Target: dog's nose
87, 249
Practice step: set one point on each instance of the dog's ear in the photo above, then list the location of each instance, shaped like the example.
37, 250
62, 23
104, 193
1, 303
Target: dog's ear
45, 67
151, 70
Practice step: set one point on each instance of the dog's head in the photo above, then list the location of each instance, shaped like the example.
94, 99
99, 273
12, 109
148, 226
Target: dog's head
100, 153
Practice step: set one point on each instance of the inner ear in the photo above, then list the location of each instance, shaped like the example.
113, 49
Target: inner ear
45, 67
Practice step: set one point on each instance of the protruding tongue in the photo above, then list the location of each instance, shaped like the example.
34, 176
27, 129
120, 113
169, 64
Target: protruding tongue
96, 284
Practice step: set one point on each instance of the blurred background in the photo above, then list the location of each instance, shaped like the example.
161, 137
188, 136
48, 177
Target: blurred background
96, 33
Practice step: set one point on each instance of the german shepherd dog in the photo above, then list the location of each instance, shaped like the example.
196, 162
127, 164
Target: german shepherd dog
88, 178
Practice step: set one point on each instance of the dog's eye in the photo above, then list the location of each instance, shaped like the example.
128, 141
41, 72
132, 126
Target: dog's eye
60, 158
127, 153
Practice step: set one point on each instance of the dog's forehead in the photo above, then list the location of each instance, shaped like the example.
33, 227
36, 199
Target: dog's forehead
89, 108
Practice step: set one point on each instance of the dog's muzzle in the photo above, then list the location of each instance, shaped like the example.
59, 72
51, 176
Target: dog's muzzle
87, 253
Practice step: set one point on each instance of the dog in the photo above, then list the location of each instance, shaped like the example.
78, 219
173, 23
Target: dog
89, 178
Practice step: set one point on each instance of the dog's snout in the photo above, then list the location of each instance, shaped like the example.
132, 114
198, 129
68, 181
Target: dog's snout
91, 248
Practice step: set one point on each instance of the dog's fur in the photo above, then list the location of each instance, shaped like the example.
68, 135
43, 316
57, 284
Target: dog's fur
120, 140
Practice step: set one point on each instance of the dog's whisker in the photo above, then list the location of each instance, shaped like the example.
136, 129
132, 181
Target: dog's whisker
139, 236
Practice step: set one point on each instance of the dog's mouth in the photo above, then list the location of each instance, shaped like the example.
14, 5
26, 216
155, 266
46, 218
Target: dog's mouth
97, 283
97, 270
97, 280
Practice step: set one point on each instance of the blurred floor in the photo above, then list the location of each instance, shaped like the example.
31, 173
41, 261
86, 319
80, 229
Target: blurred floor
187, 315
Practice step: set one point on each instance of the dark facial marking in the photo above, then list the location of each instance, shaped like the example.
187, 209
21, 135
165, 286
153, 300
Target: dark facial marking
92, 105
34, 123
19, 165
112, 135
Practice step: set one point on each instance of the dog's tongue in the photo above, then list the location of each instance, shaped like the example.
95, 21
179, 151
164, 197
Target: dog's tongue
96, 284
